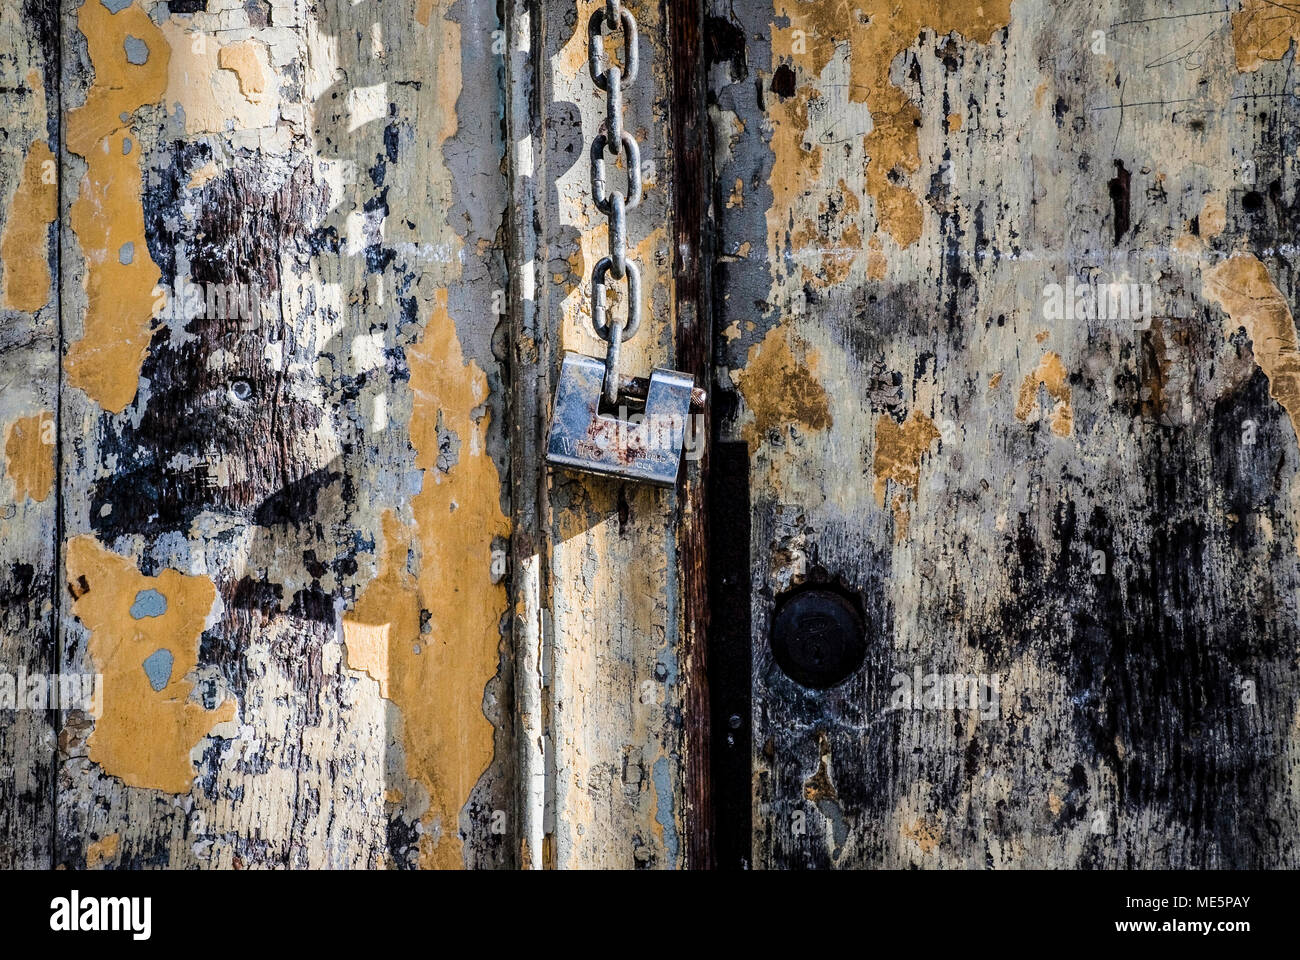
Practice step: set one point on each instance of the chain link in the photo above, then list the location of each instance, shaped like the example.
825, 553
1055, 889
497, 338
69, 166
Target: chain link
616, 140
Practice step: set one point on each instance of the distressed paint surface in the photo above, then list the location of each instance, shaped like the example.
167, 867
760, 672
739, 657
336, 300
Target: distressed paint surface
612, 655
281, 230
308, 542
29, 456
431, 639
1100, 513
23, 248
148, 726
29, 362
107, 216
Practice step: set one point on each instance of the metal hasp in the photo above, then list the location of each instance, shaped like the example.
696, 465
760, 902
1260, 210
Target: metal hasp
644, 447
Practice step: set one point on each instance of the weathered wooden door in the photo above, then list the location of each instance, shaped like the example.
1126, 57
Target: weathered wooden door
1007, 354
991, 556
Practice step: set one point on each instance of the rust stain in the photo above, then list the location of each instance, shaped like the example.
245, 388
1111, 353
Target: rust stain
1242, 287
780, 386
24, 248
1263, 30
426, 627
148, 728
107, 215
29, 455
899, 449
820, 786
1052, 375
878, 31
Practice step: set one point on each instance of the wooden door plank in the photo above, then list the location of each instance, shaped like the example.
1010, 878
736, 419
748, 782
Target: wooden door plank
1096, 513
287, 514
29, 456
603, 558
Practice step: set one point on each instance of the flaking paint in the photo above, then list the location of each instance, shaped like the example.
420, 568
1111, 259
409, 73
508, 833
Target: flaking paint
144, 736
107, 213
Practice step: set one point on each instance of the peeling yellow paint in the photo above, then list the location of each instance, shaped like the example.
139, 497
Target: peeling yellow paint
1051, 374
250, 63
925, 835
1242, 287
737, 198
438, 570
899, 448
99, 852
24, 249
1263, 30
877, 264
202, 175
107, 216
218, 88
878, 31
1213, 217
780, 386
1040, 95
954, 122
796, 166
820, 786
29, 455
144, 736
424, 11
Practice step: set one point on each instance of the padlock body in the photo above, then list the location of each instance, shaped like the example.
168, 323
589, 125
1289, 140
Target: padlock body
646, 448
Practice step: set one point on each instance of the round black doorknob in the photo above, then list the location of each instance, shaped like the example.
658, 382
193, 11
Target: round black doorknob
817, 638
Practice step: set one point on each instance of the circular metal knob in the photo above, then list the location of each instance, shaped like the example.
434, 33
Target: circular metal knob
818, 638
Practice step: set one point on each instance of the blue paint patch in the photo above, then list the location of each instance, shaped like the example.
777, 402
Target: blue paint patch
115, 6
125, 256
148, 603
137, 51
664, 794
126, 145
158, 668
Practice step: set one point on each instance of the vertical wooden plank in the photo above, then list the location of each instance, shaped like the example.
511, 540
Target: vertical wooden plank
1096, 512
29, 499
287, 520
692, 255
611, 662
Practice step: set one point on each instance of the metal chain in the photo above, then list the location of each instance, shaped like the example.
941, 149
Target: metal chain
618, 142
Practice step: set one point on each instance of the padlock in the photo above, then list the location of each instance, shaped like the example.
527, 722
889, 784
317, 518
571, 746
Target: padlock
646, 447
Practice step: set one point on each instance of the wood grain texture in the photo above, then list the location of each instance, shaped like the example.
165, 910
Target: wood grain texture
29, 392
285, 288
296, 492
613, 650
1099, 514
